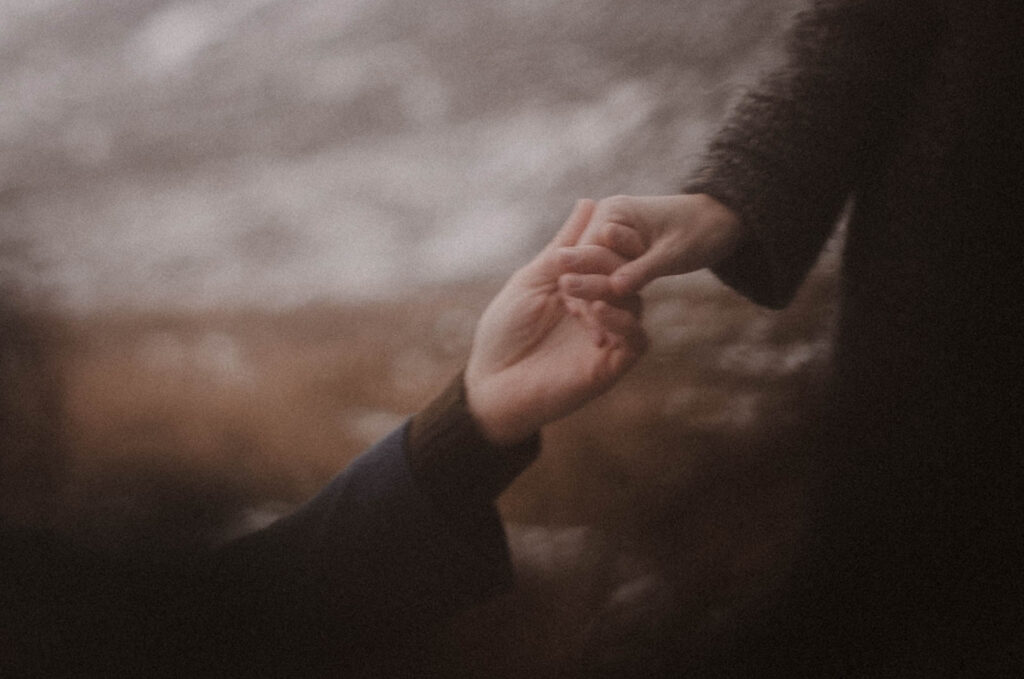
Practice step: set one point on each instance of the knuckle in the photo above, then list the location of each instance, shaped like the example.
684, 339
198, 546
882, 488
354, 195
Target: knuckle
612, 235
627, 240
617, 209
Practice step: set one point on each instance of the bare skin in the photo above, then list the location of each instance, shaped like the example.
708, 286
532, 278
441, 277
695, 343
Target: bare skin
660, 235
535, 359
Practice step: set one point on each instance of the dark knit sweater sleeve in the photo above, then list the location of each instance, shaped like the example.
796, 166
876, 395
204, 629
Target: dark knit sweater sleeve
794, 148
454, 463
405, 536
402, 538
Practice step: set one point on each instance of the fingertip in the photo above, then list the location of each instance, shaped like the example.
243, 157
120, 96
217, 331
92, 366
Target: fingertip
574, 226
583, 206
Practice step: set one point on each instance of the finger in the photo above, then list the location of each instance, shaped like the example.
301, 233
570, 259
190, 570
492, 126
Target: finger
624, 240
587, 286
631, 277
589, 259
573, 227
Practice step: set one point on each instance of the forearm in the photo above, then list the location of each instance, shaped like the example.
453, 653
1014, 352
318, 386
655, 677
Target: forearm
794, 148
404, 537
454, 462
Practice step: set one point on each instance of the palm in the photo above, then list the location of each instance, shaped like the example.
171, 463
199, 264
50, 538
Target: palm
534, 361
557, 355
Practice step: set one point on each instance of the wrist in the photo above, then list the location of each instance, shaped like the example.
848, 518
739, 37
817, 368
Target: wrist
491, 412
454, 461
721, 224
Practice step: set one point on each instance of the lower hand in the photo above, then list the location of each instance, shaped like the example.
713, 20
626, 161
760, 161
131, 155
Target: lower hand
533, 360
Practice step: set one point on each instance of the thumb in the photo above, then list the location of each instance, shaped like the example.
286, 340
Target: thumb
632, 276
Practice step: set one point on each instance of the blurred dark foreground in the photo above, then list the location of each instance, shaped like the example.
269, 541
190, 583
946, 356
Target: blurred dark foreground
659, 519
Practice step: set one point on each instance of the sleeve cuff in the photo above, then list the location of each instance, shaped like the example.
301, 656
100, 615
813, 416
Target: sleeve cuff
453, 462
754, 269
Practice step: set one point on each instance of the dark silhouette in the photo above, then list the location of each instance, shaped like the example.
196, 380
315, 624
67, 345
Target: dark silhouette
904, 110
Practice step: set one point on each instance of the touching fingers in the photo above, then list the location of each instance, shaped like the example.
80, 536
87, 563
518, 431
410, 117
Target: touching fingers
589, 259
632, 276
587, 286
622, 239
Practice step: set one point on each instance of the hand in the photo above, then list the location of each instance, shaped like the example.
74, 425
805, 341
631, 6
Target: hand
533, 361
662, 235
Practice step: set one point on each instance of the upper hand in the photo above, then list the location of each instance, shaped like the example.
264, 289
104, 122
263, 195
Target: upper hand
662, 235
533, 360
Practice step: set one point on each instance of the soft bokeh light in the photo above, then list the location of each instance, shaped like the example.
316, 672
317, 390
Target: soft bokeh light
216, 153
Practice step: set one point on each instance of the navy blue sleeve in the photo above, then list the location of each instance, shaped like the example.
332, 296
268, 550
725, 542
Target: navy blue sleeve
384, 547
369, 558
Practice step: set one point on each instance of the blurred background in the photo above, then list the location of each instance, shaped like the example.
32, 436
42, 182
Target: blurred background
242, 239
212, 154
